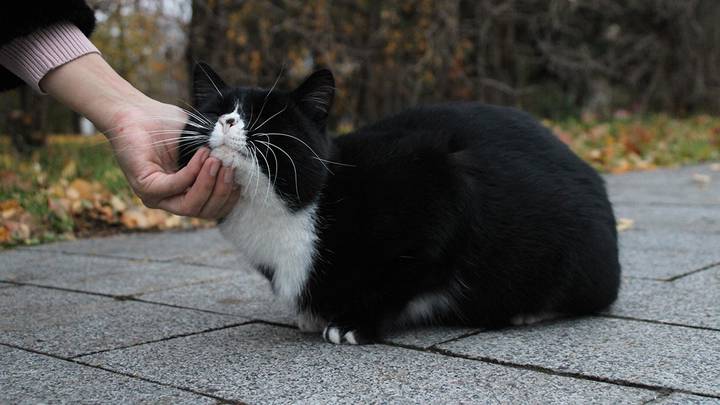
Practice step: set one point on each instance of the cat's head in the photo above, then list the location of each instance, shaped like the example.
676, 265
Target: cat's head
275, 139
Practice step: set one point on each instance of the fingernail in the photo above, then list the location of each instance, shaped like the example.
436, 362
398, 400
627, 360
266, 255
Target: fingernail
214, 167
229, 174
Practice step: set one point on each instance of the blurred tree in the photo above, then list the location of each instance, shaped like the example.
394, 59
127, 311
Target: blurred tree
26, 123
554, 57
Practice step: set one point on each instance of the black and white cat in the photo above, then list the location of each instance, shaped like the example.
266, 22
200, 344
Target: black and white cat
459, 213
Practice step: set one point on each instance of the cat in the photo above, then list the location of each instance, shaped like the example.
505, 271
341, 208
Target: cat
448, 214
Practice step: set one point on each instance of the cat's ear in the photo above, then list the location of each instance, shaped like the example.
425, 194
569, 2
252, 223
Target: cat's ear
206, 83
315, 95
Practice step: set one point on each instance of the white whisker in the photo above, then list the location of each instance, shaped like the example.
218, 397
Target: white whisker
267, 163
211, 80
276, 161
200, 116
297, 190
334, 163
266, 97
273, 116
174, 131
301, 141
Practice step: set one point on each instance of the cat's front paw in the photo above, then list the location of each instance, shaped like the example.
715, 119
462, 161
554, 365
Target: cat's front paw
338, 335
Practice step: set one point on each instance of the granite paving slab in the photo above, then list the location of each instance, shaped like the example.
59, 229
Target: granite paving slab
102, 275
664, 255
29, 378
182, 246
69, 324
693, 300
673, 186
638, 352
245, 293
266, 364
692, 219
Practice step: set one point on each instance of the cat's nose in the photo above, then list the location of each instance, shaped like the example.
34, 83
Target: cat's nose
230, 121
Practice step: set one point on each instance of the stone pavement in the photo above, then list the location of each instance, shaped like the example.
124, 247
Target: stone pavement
176, 318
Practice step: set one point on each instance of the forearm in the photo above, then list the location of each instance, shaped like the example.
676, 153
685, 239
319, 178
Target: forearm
91, 87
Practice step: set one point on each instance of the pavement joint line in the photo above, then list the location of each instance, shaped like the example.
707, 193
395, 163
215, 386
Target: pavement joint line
656, 322
130, 298
690, 273
463, 336
550, 371
659, 280
129, 375
278, 324
176, 336
173, 260
192, 283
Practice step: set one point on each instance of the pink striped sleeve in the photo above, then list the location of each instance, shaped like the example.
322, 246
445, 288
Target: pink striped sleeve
31, 57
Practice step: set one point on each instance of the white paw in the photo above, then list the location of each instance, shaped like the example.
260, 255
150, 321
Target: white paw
350, 337
335, 335
308, 322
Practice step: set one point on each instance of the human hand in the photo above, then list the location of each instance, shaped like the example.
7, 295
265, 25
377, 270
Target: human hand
145, 140
144, 135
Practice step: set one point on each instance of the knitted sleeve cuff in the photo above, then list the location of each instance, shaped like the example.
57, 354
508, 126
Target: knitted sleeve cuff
31, 57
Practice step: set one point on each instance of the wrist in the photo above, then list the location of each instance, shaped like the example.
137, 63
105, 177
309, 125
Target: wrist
91, 87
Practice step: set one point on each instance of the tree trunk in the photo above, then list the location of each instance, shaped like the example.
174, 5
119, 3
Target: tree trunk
27, 126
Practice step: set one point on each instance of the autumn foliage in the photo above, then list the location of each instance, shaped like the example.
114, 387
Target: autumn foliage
73, 188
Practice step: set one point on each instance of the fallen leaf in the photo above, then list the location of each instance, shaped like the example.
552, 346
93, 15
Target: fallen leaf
117, 204
10, 209
80, 189
155, 218
134, 219
5, 235
701, 179
623, 224
172, 221
18, 230
59, 206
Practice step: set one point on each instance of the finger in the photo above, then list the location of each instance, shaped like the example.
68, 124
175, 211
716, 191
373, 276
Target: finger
191, 203
221, 192
163, 185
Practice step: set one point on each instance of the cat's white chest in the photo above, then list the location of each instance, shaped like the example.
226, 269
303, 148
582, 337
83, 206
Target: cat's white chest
266, 231
270, 235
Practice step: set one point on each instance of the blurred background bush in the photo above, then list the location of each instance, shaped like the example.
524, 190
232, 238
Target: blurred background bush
628, 84
555, 58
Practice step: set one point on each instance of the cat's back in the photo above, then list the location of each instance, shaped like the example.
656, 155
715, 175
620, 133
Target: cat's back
488, 137
457, 126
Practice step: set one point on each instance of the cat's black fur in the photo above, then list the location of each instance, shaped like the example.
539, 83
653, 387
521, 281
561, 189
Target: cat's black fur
477, 204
